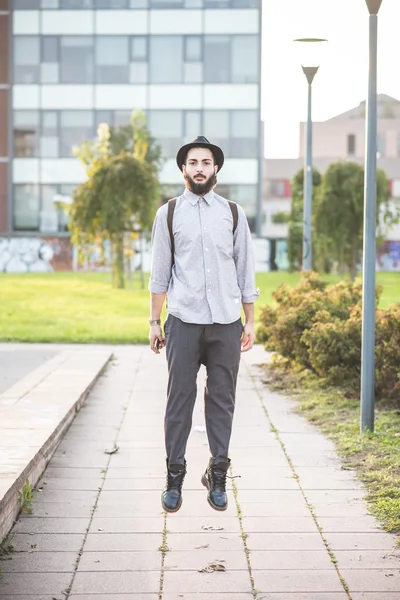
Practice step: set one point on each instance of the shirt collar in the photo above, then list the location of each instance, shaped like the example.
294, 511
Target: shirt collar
193, 199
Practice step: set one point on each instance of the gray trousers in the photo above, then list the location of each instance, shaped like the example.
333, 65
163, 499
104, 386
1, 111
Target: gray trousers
187, 347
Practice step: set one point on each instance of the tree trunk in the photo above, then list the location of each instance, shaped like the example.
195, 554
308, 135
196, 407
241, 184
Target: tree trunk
118, 279
353, 259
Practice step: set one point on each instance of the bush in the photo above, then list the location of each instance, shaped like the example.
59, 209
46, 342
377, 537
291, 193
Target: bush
318, 327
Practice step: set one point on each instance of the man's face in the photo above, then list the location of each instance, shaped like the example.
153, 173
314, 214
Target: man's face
200, 171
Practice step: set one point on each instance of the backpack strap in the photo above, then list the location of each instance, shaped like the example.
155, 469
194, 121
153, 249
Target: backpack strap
235, 214
170, 218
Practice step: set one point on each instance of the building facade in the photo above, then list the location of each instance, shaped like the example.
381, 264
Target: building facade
193, 66
341, 138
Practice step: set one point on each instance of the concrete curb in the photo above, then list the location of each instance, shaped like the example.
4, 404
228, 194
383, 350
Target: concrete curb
39, 456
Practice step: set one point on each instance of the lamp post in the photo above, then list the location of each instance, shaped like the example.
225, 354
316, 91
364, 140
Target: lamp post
369, 250
310, 67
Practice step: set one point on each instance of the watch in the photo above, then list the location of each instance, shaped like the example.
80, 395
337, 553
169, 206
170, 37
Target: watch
155, 321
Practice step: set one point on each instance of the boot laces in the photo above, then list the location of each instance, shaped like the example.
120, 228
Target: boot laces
219, 478
175, 480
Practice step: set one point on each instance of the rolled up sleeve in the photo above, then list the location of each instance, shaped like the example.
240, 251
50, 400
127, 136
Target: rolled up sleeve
161, 259
243, 253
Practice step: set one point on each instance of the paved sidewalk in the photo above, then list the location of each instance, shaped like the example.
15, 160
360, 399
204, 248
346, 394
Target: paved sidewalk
97, 531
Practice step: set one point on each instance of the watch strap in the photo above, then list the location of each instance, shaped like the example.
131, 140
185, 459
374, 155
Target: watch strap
155, 321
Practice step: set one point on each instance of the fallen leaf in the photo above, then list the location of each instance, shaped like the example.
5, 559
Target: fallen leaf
211, 528
203, 546
113, 451
212, 567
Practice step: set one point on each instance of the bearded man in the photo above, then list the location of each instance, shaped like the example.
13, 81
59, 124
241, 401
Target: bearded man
202, 260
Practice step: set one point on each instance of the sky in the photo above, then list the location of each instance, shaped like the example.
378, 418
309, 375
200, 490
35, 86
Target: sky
342, 80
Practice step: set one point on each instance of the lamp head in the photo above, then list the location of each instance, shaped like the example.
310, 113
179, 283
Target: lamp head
373, 6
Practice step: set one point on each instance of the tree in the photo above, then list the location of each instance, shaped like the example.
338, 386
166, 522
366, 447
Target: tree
339, 213
296, 219
122, 167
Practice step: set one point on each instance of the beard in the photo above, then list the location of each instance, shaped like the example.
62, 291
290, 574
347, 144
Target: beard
200, 187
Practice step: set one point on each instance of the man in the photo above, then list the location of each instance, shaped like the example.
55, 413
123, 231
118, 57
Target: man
208, 273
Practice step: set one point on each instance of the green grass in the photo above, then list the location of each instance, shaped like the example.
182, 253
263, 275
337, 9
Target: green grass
84, 308
374, 456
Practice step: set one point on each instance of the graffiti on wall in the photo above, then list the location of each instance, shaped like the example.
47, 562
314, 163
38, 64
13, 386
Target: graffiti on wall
34, 255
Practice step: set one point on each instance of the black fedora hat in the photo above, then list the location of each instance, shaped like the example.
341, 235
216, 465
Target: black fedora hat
201, 142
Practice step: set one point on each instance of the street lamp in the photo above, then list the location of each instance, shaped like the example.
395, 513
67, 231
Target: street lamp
309, 48
369, 251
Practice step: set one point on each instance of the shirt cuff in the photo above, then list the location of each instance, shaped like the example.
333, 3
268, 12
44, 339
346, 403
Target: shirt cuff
156, 287
252, 298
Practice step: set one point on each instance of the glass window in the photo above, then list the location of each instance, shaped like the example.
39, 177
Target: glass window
103, 116
74, 4
193, 50
216, 124
193, 3
245, 3
49, 72
24, 4
110, 3
50, 4
166, 127
245, 59
246, 196
138, 3
351, 144
76, 127
381, 141
48, 217
122, 118
166, 3
244, 134
26, 206
138, 72
216, 3
193, 72
166, 59
26, 59
192, 125
49, 141
139, 48
50, 52
63, 219
26, 133
217, 59
112, 59
77, 59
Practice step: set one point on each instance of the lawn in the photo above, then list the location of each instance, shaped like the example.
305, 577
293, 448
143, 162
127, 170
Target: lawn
84, 308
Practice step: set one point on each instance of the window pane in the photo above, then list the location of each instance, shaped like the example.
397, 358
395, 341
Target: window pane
216, 124
26, 133
138, 3
245, 3
245, 59
110, 3
26, 206
139, 48
246, 196
217, 59
166, 3
139, 72
192, 125
103, 116
166, 127
50, 3
49, 212
122, 118
76, 127
193, 72
49, 141
76, 4
216, 3
193, 3
193, 48
166, 59
112, 59
26, 59
49, 49
77, 59
24, 4
49, 72
244, 124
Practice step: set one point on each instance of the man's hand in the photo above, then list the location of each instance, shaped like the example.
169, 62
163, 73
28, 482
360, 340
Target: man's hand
157, 341
248, 337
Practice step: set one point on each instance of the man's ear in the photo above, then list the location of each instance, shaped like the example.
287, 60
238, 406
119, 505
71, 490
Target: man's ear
184, 169
215, 169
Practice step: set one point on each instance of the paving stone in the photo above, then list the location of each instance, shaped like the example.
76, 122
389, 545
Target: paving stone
112, 597
201, 557
208, 596
214, 540
55, 509
289, 541
375, 596
303, 581
334, 496
181, 582
34, 583
353, 524
122, 542
120, 525
40, 562
290, 559
368, 559
148, 472
279, 524
51, 525
58, 484
345, 509
294, 497
271, 509
376, 580
133, 485
72, 473
360, 541
270, 457
47, 542
121, 561
115, 583
177, 524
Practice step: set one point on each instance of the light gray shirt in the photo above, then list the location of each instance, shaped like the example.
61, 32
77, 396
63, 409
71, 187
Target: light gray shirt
213, 271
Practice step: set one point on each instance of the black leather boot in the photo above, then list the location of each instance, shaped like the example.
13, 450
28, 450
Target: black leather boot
214, 479
171, 498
